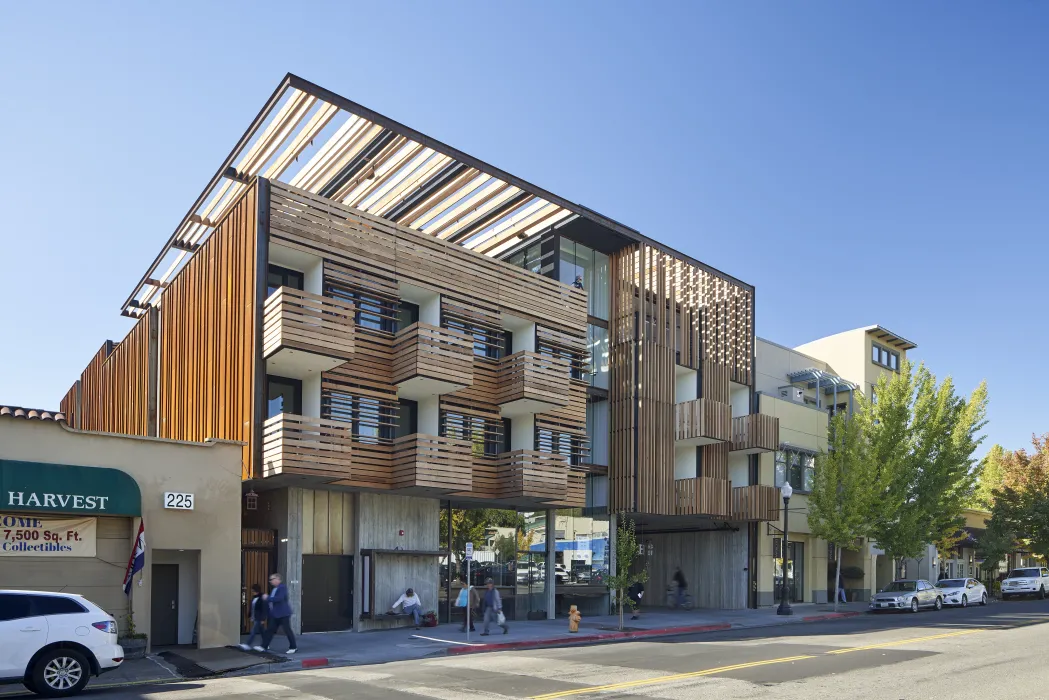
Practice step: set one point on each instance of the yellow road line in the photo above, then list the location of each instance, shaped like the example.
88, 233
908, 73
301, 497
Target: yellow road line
666, 679
905, 641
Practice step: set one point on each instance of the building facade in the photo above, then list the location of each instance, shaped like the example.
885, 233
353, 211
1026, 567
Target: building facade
72, 502
803, 387
394, 329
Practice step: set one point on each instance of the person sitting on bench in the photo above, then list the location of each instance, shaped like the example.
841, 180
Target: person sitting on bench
411, 606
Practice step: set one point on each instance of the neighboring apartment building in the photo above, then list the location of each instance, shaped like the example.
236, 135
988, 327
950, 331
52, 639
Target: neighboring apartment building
803, 387
392, 327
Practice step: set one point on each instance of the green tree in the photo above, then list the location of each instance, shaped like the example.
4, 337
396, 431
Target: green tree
922, 437
1021, 506
840, 501
990, 477
996, 542
627, 551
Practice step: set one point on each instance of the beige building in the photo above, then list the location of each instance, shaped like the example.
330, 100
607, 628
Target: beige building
75, 500
803, 387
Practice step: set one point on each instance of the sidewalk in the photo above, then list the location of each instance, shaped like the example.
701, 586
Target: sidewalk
353, 649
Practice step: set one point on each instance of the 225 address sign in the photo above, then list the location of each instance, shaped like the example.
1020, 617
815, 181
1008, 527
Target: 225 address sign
178, 501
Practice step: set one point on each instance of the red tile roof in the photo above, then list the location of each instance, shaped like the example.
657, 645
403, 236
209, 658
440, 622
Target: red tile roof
30, 413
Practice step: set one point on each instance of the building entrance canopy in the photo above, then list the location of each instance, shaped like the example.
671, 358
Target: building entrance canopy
61, 488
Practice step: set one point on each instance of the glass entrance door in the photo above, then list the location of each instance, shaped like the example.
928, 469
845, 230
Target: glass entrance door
795, 571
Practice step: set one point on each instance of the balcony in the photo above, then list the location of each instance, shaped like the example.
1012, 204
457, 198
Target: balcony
755, 503
532, 383
426, 464
528, 476
304, 333
704, 495
755, 433
306, 447
428, 361
702, 422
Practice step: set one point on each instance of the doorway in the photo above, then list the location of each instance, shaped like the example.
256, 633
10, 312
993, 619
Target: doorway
164, 607
327, 592
795, 571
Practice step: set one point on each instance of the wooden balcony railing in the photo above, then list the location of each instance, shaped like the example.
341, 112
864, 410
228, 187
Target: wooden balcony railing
297, 320
307, 446
531, 476
432, 464
576, 491
754, 433
532, 383
428, 360
755, 503
704, 495
702, 422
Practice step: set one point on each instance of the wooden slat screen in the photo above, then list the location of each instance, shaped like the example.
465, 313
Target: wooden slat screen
755, 432
207, 337
666, 311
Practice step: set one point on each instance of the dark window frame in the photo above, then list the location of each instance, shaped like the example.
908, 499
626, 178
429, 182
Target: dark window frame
287, 275
884, 357
295, 384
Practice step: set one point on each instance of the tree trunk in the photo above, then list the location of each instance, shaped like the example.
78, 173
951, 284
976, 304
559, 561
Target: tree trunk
621, 623
837, 578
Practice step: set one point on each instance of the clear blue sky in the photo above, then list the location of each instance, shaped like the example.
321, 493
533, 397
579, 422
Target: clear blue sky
858, 162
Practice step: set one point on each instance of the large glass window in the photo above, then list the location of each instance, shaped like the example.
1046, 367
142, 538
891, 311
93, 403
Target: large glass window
597, 344
486, 435
889, 359
587, 269
407, 418
597, 430
797, 467
283, 395
407, 314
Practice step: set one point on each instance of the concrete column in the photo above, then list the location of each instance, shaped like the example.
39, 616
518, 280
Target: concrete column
290, 547
551, 557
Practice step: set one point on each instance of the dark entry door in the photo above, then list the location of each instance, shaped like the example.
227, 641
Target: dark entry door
327, 592
164, 608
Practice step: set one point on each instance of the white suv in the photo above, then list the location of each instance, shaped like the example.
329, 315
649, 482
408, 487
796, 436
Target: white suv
54, 642
1027, 581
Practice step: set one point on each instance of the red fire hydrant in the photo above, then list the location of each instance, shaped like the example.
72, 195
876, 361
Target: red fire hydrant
573, 619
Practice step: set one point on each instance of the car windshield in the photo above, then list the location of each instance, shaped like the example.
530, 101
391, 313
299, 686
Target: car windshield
952, 583
1024, 573
901, 587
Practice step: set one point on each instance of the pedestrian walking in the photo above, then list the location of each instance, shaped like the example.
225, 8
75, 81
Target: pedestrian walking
635, 593
841, 589
280, 615
260, 612
493, 608
681, 584
468, 600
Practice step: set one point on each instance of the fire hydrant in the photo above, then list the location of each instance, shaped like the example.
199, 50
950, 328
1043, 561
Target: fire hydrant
573, 619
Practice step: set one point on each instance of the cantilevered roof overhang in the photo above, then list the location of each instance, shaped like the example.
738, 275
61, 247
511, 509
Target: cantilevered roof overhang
313, 139
887, 337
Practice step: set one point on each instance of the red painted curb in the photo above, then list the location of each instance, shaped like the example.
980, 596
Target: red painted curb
609, 636
314, 663
829, 616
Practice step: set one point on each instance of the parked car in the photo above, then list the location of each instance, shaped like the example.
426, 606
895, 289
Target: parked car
561, 573
910, 595
962, 591
1031, 580
52, 643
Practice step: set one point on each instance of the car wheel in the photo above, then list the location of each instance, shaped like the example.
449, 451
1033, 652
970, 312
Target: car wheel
1005, 597
939, 603
965, 601
914, 605
1041, 593
60, 672
983, 599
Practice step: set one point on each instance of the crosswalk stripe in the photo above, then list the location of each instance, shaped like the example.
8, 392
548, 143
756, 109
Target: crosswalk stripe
230, 686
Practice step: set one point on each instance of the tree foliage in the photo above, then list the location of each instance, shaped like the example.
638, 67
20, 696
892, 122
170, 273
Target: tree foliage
472, 526
627, 551
842, 495
921, 437
990, 476
1021, 505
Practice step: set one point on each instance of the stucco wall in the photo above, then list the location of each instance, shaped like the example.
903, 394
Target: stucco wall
209, 471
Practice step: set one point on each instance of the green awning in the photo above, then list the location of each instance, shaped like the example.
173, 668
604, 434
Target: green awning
63, 488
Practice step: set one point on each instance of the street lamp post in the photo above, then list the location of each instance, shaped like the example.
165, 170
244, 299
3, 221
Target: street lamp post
784, 605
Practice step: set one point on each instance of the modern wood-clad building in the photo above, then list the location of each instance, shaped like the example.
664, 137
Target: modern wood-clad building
391, 326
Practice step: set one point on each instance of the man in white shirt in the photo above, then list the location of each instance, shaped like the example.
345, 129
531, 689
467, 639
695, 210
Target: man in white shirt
411, 605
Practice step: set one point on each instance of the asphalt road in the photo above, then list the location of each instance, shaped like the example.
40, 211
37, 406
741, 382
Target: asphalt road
996, 651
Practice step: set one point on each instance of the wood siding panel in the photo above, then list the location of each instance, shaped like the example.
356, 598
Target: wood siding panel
208, 337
